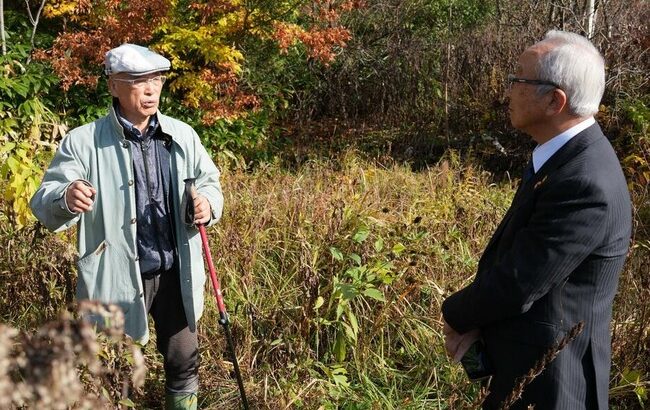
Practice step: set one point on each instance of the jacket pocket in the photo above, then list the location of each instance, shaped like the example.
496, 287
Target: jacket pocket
87, 271
105, 275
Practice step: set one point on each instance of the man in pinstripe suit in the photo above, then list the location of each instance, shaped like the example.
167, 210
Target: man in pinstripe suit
555, 258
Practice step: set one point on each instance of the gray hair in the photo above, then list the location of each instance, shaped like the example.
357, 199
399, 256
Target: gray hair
577, 67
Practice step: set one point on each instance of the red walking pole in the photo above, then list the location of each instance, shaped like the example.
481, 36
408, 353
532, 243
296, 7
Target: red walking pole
223, 315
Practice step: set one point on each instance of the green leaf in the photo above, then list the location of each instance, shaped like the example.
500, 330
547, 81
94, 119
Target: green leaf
398, 248
349, 332
356, 258
374, 293
641, 392
340, 379
353, 273
354, 323
13, 164
127, 402
361, 235
22, 154
340, 348
348, 292
7, 147
631, 376
319, 302
336, 254
339, 309
379, 245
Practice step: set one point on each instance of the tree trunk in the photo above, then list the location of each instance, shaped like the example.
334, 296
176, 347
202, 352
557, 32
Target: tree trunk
447, 73
2, 27
591, 18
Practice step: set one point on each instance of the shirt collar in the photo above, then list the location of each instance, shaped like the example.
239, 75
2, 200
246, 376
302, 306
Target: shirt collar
133, 130
543, 152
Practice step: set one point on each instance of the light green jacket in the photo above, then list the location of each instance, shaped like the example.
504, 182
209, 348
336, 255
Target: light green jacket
108, 268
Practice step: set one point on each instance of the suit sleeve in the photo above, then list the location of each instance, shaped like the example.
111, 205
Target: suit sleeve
567, 224
64, 169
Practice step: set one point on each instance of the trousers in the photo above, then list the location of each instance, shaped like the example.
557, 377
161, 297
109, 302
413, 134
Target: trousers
176, 343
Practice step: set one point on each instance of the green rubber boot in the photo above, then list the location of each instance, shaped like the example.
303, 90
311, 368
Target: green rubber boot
181, 401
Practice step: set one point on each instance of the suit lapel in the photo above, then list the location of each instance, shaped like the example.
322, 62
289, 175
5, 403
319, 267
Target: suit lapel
497, 234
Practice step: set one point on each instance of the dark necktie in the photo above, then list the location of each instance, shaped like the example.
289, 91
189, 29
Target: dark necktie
529, 171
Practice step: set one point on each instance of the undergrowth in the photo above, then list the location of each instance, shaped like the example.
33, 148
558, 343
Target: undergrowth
333, 275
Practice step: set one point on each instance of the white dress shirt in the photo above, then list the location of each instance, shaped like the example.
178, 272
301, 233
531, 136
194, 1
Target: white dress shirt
543, 152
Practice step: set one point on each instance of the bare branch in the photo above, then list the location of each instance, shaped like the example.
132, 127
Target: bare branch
34, 26
29, 13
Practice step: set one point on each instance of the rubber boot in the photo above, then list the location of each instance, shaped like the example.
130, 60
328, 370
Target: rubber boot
181, 401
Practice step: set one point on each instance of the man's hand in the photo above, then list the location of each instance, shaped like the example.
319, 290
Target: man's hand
457, 344
79, 197
202, 210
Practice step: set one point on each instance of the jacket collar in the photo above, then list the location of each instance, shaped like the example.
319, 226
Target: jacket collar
572, 148
163, 120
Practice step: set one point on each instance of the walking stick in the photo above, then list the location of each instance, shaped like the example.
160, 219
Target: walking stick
190, 193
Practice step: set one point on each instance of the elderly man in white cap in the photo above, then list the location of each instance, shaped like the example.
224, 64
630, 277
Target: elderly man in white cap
119, 179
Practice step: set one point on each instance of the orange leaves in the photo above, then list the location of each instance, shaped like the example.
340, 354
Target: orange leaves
211, 9
319, 42
286, 34
324, 33
69, 55
329, 11
217, 92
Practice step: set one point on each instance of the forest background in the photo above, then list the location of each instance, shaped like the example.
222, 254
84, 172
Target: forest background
367, 157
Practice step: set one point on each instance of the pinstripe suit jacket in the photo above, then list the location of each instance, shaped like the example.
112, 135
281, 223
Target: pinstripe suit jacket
553, 261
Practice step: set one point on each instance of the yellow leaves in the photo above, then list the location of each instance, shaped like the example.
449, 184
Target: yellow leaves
225, 55
196, 89
22, 176
208, 42
206, 64
30, 132
60, 8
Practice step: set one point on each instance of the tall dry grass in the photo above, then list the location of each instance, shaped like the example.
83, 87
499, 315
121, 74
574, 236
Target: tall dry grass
333, 274
292, 244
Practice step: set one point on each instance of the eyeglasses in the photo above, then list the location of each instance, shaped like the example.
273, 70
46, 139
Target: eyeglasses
513, 79
156, 81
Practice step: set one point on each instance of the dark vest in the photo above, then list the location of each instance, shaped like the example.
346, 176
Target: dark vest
151, 154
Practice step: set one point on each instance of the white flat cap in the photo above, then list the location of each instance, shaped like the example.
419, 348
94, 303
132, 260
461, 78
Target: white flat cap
135, 60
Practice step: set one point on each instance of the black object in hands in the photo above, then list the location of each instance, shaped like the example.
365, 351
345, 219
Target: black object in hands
187, 202
476, 362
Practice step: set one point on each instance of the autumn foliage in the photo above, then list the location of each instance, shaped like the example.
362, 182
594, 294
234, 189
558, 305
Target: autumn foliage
323, 35
91, 28
200, 38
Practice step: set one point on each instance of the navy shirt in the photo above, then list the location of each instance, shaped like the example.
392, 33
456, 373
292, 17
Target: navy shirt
152, 187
